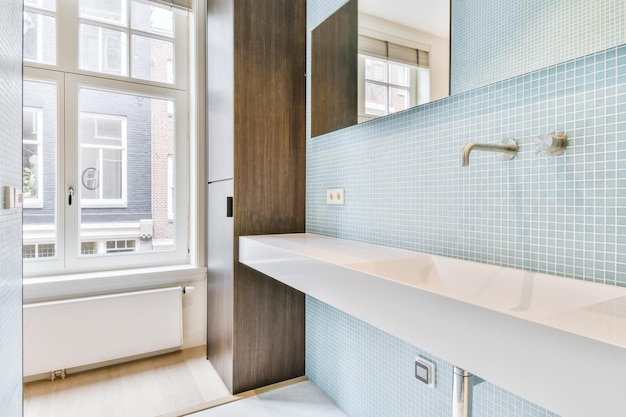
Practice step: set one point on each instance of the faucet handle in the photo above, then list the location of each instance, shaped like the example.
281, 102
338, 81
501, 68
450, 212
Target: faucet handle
552, 144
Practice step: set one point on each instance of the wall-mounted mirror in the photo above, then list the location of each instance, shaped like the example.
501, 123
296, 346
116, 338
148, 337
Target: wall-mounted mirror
373, 58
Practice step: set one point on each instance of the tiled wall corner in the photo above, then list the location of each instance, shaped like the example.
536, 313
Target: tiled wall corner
493, 40
11, 219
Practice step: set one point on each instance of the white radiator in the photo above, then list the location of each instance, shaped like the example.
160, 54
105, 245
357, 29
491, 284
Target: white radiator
83, 331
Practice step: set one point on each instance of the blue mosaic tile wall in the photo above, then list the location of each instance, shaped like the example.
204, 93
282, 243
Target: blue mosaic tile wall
11, 219
564, 215
493, 40
369, 373
405, 188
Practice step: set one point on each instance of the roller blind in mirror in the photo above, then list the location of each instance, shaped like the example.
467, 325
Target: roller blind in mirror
392, 52
180, 4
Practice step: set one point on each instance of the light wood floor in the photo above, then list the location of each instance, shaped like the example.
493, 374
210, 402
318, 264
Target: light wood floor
170, 384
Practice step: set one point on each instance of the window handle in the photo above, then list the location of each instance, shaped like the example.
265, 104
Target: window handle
70, 193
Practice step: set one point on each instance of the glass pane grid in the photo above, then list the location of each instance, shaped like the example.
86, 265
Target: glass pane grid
39, 41
152, 18
150, 38
132, 191
399, 99
376, 69
88, 248
388, 87
399, 75
375, 99
103, 50
152, 58
120, 246
46, 250
29, 251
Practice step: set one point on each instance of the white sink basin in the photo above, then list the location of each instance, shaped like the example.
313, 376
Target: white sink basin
558, 342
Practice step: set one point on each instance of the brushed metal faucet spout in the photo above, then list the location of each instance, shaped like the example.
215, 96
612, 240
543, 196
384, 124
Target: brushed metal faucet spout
508, 148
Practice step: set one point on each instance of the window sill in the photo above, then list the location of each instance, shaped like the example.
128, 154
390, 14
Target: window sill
97, 283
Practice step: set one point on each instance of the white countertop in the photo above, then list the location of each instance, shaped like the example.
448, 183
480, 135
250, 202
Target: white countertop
556, 341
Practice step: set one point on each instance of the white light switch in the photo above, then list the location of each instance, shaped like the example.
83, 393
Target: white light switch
425, 371
335, 196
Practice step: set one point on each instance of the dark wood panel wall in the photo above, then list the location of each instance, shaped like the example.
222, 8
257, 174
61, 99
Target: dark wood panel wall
264, 320
334, 65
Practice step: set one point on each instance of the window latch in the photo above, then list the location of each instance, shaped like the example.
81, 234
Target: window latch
70, 193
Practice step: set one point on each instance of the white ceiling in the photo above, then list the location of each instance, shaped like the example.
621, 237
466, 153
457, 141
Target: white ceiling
432, 16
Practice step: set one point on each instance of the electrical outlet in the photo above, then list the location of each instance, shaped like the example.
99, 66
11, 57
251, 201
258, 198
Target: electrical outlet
335, 196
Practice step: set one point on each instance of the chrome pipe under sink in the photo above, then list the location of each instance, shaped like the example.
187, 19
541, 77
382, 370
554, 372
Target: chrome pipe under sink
463, 383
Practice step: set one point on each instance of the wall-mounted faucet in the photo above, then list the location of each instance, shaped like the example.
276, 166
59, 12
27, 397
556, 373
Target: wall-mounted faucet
508, 148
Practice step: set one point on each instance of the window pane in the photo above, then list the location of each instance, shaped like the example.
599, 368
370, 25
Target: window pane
29, 251
125, 190
375, 69
40, 39
45, 250
152, 18
88, 248
41, 4
117, 246
39, 168
152, 59
399, 99
399, 75
111, 11
375, 99
103, 50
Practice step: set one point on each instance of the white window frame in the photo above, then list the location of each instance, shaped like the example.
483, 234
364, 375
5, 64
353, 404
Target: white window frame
101, 202
412, 89
69, 79
171, 189
37, 115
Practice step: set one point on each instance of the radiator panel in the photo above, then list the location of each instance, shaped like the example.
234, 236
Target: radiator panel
83, 331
